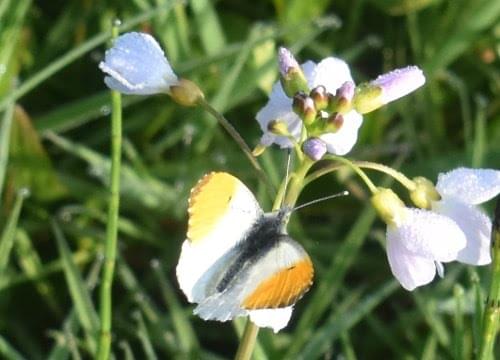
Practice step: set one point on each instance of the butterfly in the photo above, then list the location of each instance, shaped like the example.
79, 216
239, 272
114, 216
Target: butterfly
238, 260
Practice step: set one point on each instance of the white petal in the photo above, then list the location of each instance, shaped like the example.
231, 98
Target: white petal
279, 107
430, 235
331, 73
137, 65
410, 270
342, 141
276, 319
472, 186
476, 227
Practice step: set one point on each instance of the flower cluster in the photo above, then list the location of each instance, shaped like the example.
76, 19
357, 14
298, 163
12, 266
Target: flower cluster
319, 107
448, 226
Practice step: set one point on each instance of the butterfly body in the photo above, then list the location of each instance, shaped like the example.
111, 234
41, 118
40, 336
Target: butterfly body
238, 260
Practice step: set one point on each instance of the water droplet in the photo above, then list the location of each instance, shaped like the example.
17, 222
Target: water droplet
105, 110
65, 215
220, 158
179, 185
24, 192
189, 131
136, 315
96, 171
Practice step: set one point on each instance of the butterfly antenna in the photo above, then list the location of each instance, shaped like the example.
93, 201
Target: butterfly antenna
342, 193
287, 173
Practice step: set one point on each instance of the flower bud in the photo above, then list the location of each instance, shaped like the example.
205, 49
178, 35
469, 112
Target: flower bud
259, 150
292, 77
304, 107
346, 91
314, 148
389, 206
320, 97
186, 93
278, 127
334, 122
341, 102
424, 193
367, 98
388, 87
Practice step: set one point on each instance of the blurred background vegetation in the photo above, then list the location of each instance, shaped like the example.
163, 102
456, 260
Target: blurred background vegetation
54, 141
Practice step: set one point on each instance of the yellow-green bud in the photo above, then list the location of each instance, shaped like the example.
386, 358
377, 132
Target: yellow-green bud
278, 127
367, 98
424, 193
389, 206
258, 150
186, 93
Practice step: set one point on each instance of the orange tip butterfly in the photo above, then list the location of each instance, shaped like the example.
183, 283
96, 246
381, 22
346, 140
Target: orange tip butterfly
238, 260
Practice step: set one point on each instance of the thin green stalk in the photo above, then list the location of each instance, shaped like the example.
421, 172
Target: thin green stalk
491, 318
408, 183
357, 170
241, 143
247, 343
296, 184
4, 142
106, 304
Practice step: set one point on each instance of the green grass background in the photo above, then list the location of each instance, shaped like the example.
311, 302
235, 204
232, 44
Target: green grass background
54, 140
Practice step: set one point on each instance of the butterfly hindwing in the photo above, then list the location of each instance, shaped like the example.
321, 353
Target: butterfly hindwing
275, 280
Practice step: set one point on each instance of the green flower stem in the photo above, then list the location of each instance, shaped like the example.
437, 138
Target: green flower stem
408, 183
247, 343
296, 184
357, 170
491, 318
106, 304
240, 141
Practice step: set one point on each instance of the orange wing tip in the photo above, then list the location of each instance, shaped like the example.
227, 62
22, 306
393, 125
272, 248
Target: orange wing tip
283, 288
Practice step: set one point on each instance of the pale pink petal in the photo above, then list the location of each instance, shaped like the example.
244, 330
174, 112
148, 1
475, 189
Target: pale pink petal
430, 235
399, 82
409, 269
476, 227
472, 186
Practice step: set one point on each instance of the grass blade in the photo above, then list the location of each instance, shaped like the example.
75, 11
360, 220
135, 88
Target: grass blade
9, 232
80, 295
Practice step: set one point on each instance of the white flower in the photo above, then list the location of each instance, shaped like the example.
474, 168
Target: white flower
331, 73
461, 190
137, 65
418, 243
